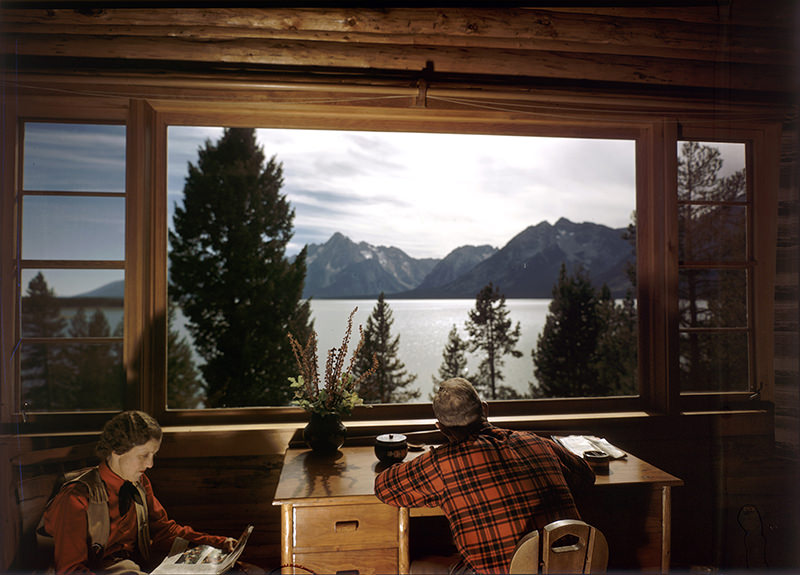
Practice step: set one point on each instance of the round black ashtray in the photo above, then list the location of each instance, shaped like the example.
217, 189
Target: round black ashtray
597, 460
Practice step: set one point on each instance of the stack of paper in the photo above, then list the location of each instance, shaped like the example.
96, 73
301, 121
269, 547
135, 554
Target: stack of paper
578, 444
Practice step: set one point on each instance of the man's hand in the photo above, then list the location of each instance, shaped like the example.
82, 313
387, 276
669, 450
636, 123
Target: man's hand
229, 545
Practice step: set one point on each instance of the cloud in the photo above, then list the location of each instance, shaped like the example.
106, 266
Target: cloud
74, 157
84, 228
430, 193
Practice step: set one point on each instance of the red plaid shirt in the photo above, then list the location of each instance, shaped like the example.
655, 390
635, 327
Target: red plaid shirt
494, 488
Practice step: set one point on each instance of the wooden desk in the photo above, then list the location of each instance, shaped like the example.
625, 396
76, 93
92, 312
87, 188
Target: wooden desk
332, 522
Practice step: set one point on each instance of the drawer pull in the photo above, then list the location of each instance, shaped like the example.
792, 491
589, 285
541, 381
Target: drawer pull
343, 526
348, 572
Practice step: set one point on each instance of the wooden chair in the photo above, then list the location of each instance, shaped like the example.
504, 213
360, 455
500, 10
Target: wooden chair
36, 475
567, 546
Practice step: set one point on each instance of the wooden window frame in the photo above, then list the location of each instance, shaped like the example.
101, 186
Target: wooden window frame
286, 105
761, 158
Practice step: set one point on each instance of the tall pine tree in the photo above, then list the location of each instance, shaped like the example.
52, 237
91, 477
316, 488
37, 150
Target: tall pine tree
454, 360
390, 381
98, 376
491, 333
616, 354
45, 376
564, 357
230, 275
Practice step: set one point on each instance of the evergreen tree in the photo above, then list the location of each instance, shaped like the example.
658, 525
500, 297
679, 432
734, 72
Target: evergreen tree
490, 332
97, 371
389, 382
44, 378
231, 277
698, 167
184, 388
454, 360
616, 354
564, 357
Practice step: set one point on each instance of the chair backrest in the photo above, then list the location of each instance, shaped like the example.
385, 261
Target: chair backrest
567, 546
525, 558
572, 546
36, 476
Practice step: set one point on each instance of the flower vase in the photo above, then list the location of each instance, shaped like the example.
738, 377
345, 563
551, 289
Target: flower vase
324, 433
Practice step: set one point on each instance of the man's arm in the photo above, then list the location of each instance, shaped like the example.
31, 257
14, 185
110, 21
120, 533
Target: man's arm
576, 471
415, 483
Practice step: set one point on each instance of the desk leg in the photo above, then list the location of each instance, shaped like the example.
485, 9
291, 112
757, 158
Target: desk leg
666, 521
402, 541
286, 539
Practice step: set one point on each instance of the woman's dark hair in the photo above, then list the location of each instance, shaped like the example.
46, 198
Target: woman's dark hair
125, 431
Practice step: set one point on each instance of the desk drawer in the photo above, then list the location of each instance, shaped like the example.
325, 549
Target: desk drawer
345, 526
363, 562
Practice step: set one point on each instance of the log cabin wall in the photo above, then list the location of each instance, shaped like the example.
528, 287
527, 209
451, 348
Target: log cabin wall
218, 479
726, 60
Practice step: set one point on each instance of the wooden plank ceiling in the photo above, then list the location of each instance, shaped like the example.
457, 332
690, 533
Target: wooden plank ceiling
743, 47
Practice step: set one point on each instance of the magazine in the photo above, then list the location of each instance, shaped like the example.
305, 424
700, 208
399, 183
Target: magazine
184, 557
578, 444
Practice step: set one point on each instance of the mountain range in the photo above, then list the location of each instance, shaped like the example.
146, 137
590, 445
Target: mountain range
526, 267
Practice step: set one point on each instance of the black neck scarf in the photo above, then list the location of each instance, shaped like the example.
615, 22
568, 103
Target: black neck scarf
127, 495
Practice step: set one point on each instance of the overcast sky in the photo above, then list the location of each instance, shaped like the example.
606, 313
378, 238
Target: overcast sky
428, 194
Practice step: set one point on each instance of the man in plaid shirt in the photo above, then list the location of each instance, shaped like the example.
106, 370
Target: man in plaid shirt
494, 485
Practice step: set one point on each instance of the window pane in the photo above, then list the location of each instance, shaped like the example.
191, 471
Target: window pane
713, 220
714, 361
712, 233
427, 219
72, 303
711, 171
74, 157
72, 377
73, 228
713, 298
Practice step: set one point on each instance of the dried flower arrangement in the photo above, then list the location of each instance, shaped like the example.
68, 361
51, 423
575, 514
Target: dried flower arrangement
339, 394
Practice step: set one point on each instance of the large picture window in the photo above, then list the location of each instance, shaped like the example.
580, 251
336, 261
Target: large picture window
428, 221
569, 231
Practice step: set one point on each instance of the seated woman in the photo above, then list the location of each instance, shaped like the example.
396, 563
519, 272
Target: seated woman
136, 522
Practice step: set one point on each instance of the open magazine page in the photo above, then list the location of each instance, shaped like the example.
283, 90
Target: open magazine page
578, 444
184, 558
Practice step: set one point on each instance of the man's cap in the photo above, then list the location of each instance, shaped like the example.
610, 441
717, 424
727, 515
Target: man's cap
456, 403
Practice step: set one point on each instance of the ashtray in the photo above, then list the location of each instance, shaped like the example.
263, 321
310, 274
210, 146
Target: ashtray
597, 460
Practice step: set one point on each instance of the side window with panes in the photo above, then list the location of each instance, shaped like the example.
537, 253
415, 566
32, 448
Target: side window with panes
71, 266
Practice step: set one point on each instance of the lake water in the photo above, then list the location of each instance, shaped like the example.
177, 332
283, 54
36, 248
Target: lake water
423, 327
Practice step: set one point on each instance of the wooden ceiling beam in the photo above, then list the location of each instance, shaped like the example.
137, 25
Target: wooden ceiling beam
681, 48
382, 57
510, 29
